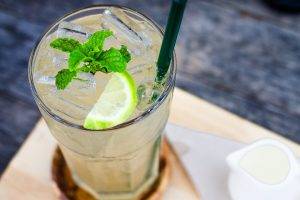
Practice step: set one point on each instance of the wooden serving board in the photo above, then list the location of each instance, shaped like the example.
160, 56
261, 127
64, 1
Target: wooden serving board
28, 176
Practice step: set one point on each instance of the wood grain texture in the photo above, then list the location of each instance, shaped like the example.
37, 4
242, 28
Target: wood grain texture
28, 175
196, 113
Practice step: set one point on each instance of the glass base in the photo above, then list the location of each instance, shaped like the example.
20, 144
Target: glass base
133, 195
119, 178
72, 187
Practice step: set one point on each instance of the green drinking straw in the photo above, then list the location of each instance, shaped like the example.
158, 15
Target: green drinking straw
169, 40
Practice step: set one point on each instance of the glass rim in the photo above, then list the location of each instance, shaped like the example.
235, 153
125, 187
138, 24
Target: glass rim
170, 81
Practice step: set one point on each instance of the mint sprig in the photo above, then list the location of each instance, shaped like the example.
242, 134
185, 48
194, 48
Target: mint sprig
89, 57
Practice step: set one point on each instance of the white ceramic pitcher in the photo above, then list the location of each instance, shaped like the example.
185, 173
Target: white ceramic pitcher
265, 170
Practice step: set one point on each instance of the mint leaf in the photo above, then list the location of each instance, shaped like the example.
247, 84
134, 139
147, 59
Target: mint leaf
96, 66
93, 67
125, 53
113, 60
96, 41
63, 78
85, 68
65, 44
75, 58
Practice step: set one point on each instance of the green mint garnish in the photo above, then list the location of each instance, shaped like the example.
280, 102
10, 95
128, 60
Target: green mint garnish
75, 58
65, 44
63, 78
113, 60
89, 57
125, 53
96, 41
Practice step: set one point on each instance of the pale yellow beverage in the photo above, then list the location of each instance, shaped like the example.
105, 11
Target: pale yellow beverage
119, 162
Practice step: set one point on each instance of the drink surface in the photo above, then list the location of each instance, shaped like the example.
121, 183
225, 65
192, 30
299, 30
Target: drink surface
75, 102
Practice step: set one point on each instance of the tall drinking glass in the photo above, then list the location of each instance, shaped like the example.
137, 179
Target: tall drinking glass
119, 162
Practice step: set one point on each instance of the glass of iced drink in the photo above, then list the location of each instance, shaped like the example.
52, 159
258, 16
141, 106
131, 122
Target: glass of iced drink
119, 158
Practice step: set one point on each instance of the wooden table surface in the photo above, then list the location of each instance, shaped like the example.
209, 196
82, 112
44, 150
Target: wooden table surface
28, 175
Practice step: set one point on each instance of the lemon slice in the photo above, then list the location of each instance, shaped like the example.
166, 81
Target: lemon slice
115, 105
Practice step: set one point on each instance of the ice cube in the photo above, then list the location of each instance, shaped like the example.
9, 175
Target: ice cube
50, 57
65, 29
136, 69
72, 30
66, 106
144, 92
85, 81
82, 87
143, 96
69, 29
126, 30
142, 63
59, 60
76, 100
47, 80
111, 42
